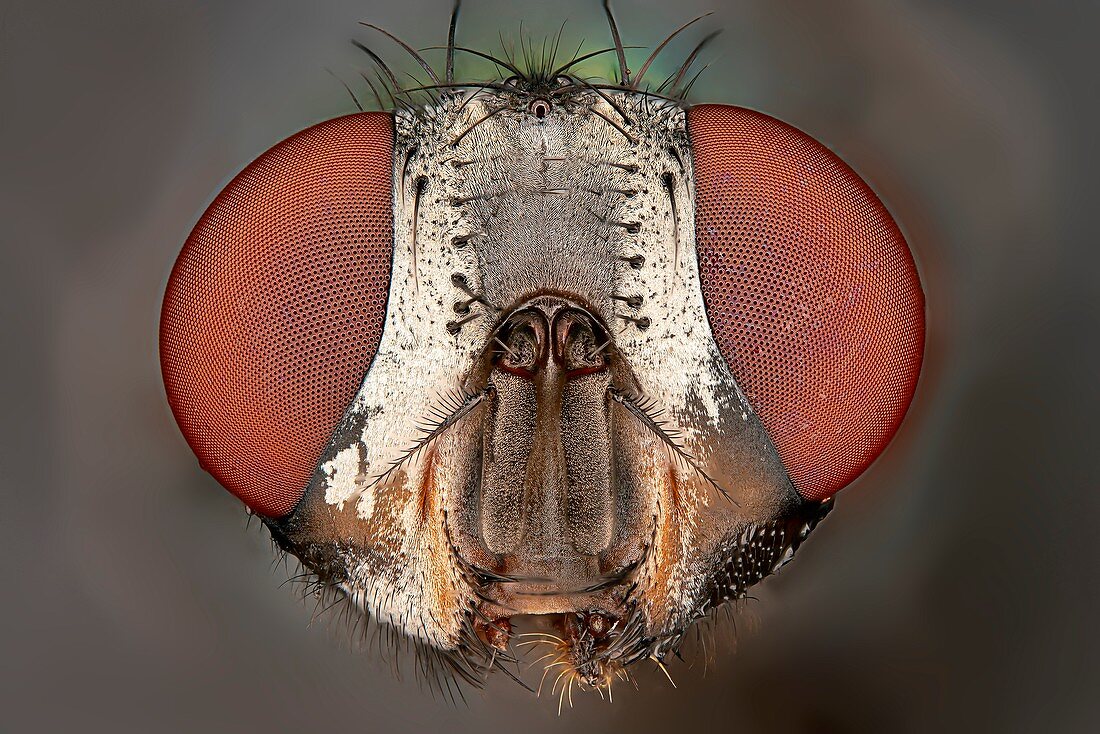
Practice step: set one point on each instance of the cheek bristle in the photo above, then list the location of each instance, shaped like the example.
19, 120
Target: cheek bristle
812, 293
274, 309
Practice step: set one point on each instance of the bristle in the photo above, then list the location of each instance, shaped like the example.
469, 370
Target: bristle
624, 72
691, 58
396, 87
412, 52
347, 88
537, 68
645, 67
451, 42
503, 63
374, 90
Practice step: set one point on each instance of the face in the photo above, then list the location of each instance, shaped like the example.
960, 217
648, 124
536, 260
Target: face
543, 354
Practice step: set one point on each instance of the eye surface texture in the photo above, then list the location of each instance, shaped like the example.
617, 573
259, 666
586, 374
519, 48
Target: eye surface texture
812, 293
274, 309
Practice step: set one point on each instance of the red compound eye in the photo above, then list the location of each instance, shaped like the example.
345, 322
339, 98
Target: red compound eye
811, 291
274, 309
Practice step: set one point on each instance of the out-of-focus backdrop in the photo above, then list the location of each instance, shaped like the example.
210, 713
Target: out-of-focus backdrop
955, 586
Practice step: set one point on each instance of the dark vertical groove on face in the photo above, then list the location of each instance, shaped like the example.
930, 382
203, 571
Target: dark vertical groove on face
421, 184
669, 182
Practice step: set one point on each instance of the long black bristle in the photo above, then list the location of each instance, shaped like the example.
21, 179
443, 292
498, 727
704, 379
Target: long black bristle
451, 42
624, 72
412, 52
690, 59
379, 63
350, 93
661, 46
488, 57
373, 90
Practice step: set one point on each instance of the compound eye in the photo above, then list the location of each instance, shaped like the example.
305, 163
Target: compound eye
811, 291
274, 309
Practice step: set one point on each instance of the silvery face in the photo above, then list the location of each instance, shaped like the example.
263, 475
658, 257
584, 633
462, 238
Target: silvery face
548, 437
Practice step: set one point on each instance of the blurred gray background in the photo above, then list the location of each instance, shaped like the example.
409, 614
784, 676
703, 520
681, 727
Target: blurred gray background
955, 586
